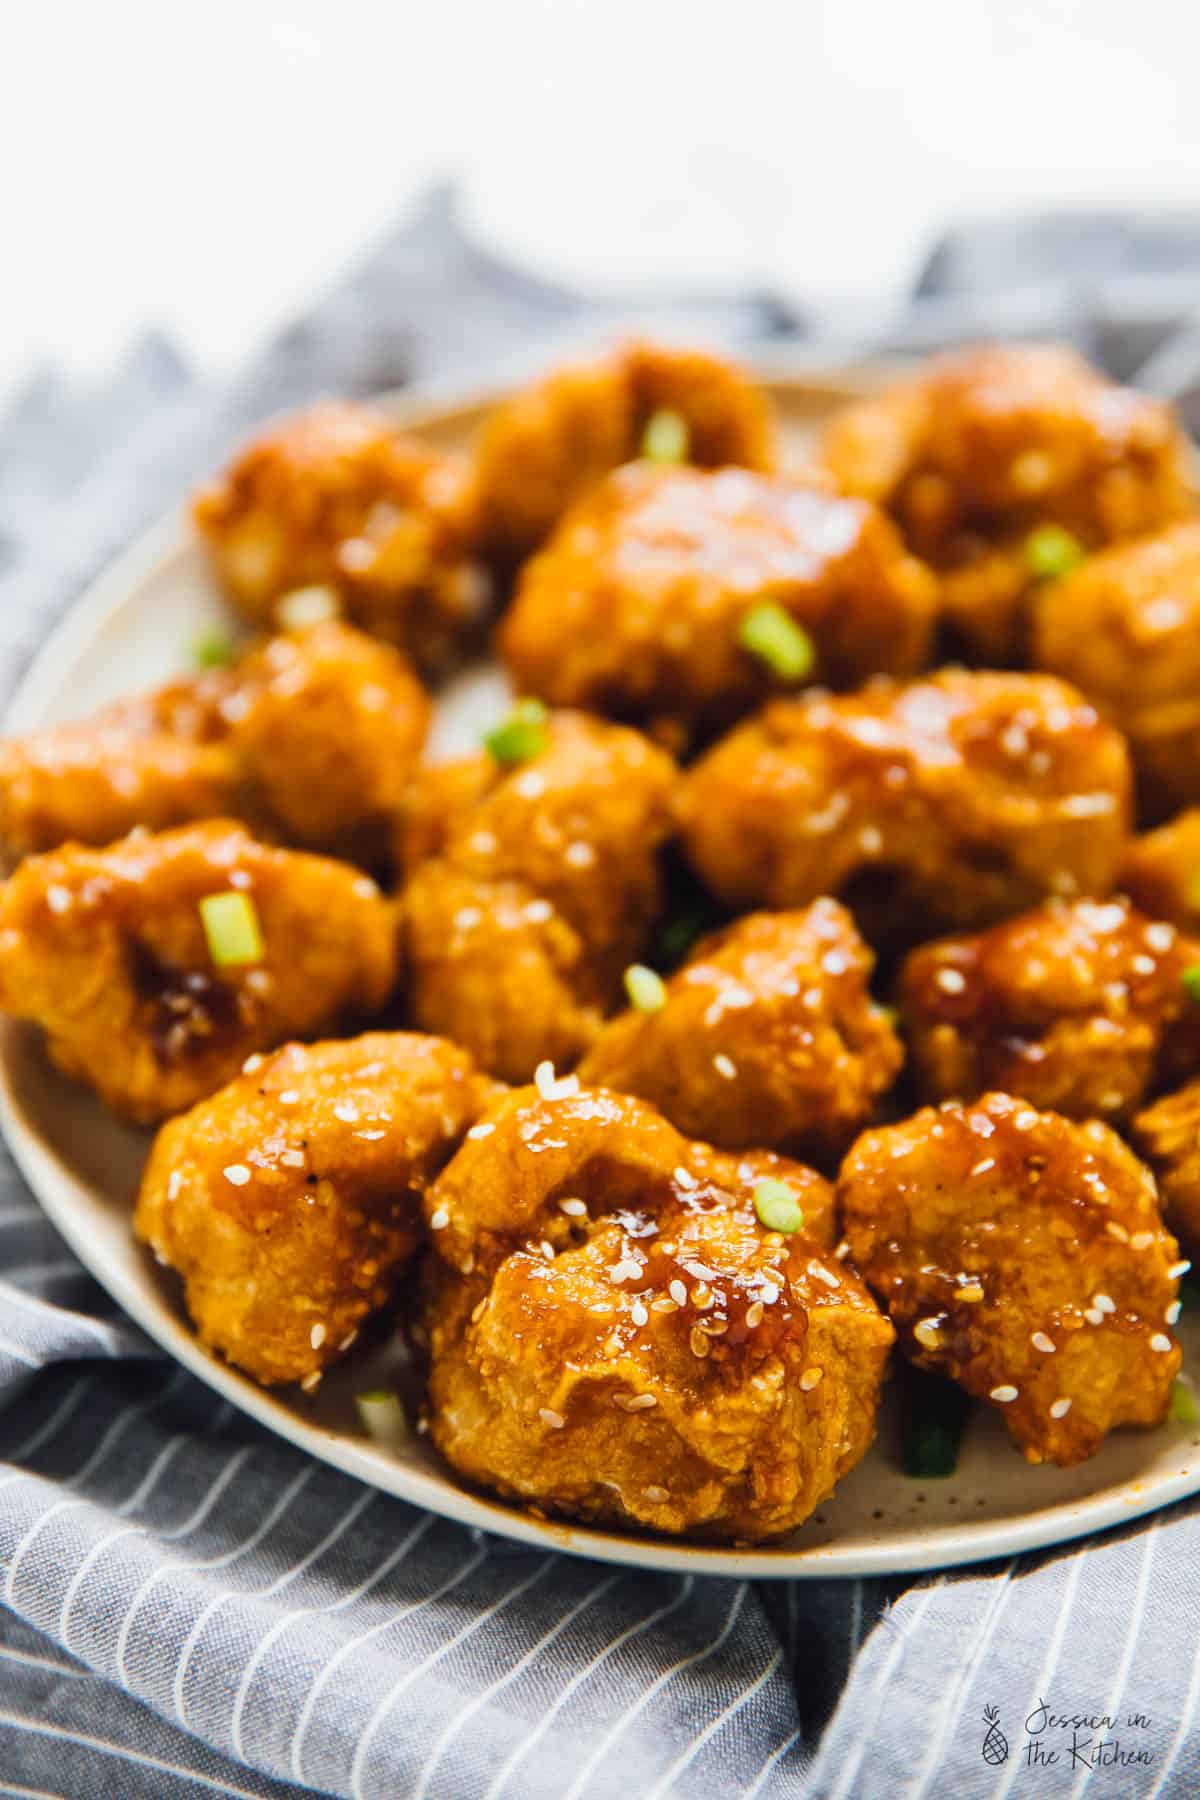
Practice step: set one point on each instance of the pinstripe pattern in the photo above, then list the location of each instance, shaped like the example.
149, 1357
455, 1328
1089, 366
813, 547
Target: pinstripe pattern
165, 1564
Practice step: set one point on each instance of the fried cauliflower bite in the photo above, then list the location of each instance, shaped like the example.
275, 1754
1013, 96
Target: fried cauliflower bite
311, 737
766, 1035
540, 885
1024, 1257
553, 440
290, 1201
614, 1336
1167, 1134
944, 804
1079, 1007
635, 605
1125, 628
108, 952
1161, 871
987, 444
336, 498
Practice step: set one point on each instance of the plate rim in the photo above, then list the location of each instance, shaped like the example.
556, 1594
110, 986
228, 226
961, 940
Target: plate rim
52, 1182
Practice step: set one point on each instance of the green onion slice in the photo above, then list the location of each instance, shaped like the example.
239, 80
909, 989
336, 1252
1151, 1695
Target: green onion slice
521, 736
772, 635
213, 649
1050, 551
666, 438
646, 989
1183, 1404
231, 926
935, 1426
777, 1206
1191, 981
383, 1417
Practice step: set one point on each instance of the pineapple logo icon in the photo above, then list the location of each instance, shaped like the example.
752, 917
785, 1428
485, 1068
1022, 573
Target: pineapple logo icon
995, 1744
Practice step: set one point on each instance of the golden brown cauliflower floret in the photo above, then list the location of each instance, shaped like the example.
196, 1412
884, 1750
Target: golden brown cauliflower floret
766, 1035
553, 440
615, 1336
989, 443
290, 1201
947, 803
311, 737
1024, 1257
1125, 628
1168, 1135
540, 885
635, 605
107, 950
337, 499
1161, 871
1080, 1007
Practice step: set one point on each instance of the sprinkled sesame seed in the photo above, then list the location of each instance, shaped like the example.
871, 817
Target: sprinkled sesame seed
1160, 1341
870, 840
1178, 1269
174, 1183
981, 1168
663, 1305
539, 911
638, 1313
574, 1209
347, 1112
1060, 1408
1142, 965
685, 1179
768, 1293
635, 1402
1173, 1311
1093, 1315
1141, 1240
724, 1065
439, 1220
547, 1250
481, 1131
253, 1062
349, 1341
656, 1495
822, 1274
237, 1174
288, 1097
926, 1333
370, 1137
467, 917
1160, 937
551, 1418
1103, 1303
58, 898
843, 1250
811, 1378
292, 1159
1025, 1121
627, 1269
951, 981
754, 1314
316, 1336
699, 1342
1041, 1342
1004, 1393
550, 1088
1117, 1231
311, 1383
580, 855
678, 1293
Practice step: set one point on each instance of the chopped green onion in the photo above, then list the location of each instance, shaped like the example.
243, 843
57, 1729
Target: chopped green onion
1183, 1404
646, 989
678, 935
231, 926
772, 635
1191, 981
934, 1432
1050, 551
777, 1206
521, 736
383, 1417
213, 649
666, 438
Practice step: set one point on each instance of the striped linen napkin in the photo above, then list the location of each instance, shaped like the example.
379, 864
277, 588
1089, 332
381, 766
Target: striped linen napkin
189, 1606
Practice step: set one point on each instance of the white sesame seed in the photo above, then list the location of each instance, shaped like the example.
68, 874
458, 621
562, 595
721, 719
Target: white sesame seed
637, 1402
1160, 1341
638, 1313
754, 1314
1060, 1408
1093, 1315
253, 1062
174, 1183
1141, 1240
1178, 1269
951, 981
870, 840
237, 1174
348, 1342
292, 1159
482, 842
365, 888
530, 785
1104, 1303
1173, 1311
371, 1137
316, 1336
627, 1269
550, 1088
768, 1293
551, 1418
1160, 937
1117, 1231
1142, 965
289, 1097
724, 1066
347, 1112
481, 1131
574, 1209
981, 1168
842, 1251
822, 1274
685, 1178
580, 855
678, 1293
1004, 1393
1025, 1121
811, 1378
539, 912
926, 1333
1041, 1342
311, 1383
656, 1495
547, 1250
466, 918
439, 1219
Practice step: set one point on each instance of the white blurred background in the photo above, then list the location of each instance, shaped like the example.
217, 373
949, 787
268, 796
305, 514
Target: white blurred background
201, 166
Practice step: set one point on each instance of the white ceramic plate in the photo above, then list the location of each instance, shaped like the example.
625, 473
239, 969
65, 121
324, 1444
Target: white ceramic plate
135, 628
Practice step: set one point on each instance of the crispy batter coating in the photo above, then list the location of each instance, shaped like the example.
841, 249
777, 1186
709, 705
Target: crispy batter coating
947, 803
768, 1035
614, 1335
311, 737
1161, 871
337, 498
1080, 1007
634, 606
1167, 1134
1024, 1257
290, 1201
107, 951
553, 440
1125, 628
540, 885
988, 443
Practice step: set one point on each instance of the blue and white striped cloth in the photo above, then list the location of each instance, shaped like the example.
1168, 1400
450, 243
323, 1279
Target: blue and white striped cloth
190, 1607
